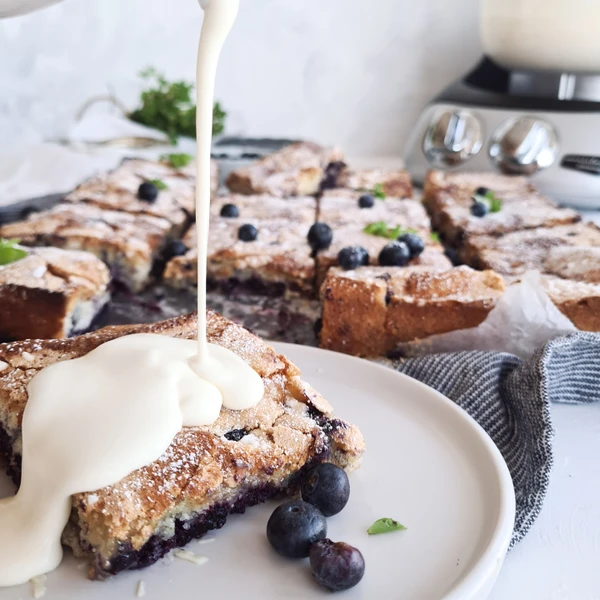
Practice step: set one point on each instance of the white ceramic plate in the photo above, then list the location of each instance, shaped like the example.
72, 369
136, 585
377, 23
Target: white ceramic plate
428, 465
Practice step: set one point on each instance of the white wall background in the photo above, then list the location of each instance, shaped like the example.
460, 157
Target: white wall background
353, 72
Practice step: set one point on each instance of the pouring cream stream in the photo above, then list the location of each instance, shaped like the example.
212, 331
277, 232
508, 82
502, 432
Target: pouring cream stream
91, 421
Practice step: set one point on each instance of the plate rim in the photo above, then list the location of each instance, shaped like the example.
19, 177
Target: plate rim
486, 570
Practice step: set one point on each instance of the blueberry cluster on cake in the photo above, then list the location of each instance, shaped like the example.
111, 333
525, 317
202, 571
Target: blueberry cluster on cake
300, 225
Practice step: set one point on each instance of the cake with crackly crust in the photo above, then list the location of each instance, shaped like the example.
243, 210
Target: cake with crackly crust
51, 293
371, 310
295, 170
207, 473
542, 249
128, 244
277, 263
395, 184
448, 198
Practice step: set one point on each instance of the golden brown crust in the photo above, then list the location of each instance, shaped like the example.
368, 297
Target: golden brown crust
296, 170
395, 184
368, 312
448, 199
542, 249
127, 243
50, 293
578, 301
201, 468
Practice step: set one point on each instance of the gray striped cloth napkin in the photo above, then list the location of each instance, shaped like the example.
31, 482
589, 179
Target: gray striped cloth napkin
510, 398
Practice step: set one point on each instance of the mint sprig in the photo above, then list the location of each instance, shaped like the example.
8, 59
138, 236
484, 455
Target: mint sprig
385, 526
177, 160
381, 229
379, 192
493, 202
435, 237
10, 252
159, 184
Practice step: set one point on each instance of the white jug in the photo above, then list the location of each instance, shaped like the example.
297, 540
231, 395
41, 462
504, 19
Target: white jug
12, 8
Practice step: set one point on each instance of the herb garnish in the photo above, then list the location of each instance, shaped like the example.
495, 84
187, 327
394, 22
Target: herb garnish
385, 526
10, 252
494, 203
380, 229
168, 106
159, 184
435, 237
379, 192
177, 160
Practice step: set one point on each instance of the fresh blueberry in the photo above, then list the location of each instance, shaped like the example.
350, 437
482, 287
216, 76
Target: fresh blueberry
479, 209
175, 248
338, 566
327, 487
247, 233
482, 191
320, 236
294, 527
415, 243
148, 192
352, 257
366, 201
396, 254
230, 211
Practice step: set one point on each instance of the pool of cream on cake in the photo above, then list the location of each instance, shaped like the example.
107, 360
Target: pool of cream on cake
91, 421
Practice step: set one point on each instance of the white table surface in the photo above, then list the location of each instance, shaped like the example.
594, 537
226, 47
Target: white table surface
560, 558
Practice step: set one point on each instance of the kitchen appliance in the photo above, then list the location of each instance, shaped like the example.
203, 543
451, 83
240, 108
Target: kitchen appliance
530, 107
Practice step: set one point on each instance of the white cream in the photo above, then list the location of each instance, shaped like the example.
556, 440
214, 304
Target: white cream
91, 421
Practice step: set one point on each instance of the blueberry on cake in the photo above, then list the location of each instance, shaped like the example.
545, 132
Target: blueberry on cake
369, 311
256, 245
207, 473
466, 204
51, 293
129, 244
295, 170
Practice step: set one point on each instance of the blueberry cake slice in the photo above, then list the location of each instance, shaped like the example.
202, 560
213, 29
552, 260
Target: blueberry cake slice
207, 473
448, 198
579, 301
395, 184
166, 193
354, 223
370, 311
51, 293
295, 170
570, 251
129, 244
261, 249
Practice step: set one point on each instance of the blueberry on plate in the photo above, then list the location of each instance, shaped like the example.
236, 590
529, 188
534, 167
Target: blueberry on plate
479, 209
482, 191
175, 248
230, 211
148, 192
327, 487
336, 566
415, 243
396, 254
366, 201
352, 257
294, 527
320, 236
247, 233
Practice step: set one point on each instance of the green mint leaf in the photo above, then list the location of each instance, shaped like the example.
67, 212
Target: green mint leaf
10, 252
159, 184
495, 205
170, 107
395, 233
379, 192
385, 526
435, 237
380, 229
177, 161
